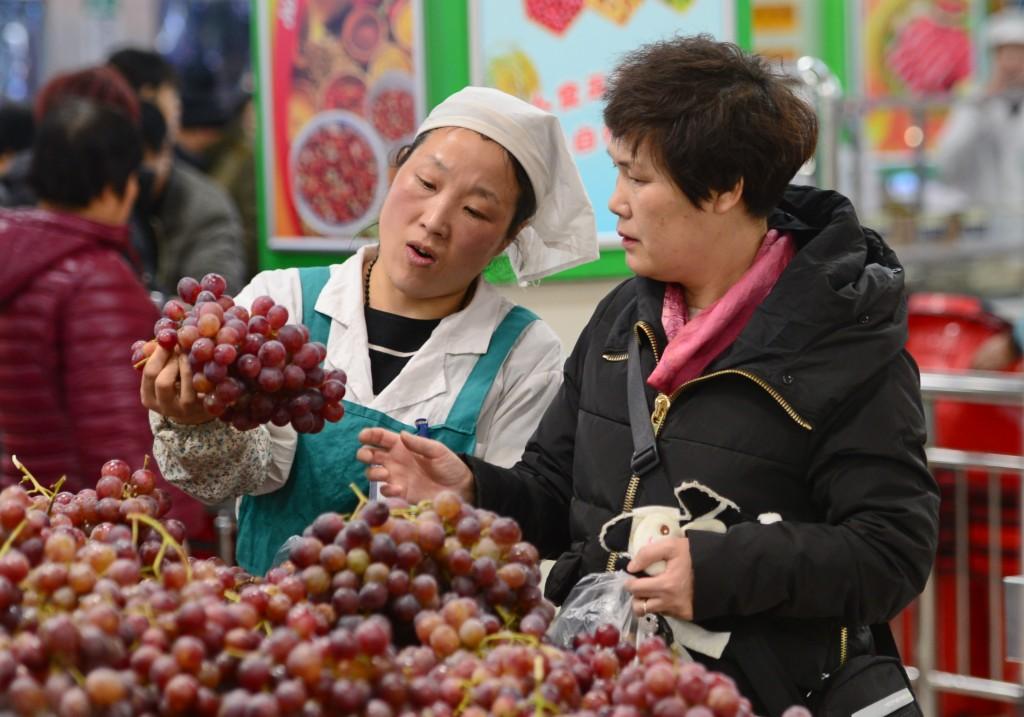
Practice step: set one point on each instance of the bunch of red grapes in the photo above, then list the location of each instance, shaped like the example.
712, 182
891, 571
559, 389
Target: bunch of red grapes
397, 611
249, 365
84, 578
444, 573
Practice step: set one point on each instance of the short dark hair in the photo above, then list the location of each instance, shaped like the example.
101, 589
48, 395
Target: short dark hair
206, 100
711, 115
102, 84
144, 69
16, 127
153, 126
526, 202
81, 148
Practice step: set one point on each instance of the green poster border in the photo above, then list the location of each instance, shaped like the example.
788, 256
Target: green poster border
446, 54
833, 44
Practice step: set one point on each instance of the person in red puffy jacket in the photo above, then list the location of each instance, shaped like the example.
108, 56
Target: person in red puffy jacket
70, 303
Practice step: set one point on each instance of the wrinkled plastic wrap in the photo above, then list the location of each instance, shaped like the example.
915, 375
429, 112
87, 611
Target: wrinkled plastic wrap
285, 550
598, 599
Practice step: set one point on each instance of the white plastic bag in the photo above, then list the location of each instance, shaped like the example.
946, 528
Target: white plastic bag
284, 552
598, 599
602, 598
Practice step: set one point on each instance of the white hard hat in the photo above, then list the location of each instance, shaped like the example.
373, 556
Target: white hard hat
1005, 28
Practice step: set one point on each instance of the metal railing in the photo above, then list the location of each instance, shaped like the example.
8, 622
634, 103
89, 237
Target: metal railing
816, 83
931, 681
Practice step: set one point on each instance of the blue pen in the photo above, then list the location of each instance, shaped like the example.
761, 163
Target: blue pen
422, 428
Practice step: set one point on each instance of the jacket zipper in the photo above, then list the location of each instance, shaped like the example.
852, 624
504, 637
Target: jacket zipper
615, 356
776, 396
663, 403
844, 637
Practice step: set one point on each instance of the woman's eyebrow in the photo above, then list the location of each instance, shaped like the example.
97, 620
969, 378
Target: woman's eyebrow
624, 163
481, 191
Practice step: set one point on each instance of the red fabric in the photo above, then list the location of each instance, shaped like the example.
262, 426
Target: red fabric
70, 308
693, 344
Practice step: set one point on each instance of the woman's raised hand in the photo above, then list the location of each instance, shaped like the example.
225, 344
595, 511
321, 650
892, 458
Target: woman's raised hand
167, 388
412, 467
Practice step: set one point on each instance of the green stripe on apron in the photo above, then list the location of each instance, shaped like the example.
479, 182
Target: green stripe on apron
325, 464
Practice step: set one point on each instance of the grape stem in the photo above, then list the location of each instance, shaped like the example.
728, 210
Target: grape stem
36, 487
141, 363
507, 636
53, 494
168, 541
467, 695
411, 512
363, 500
78, 677
540, 703
507, 617
13, 536
146, 610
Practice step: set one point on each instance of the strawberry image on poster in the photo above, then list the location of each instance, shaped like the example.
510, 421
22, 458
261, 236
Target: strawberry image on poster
555, 15
929, 56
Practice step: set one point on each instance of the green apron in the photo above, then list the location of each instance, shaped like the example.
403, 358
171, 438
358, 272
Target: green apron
325, 462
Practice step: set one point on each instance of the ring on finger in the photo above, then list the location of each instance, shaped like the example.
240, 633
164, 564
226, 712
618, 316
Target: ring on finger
643, 606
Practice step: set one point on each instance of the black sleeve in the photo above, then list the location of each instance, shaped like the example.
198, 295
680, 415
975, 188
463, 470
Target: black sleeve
538, 489
874, 551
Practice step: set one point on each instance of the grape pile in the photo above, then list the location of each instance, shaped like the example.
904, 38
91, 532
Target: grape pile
249, 365
87, 582
398, 610
443, 572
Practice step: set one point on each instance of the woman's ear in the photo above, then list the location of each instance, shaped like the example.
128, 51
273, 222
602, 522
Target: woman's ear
511, 237
724, 202
123, 204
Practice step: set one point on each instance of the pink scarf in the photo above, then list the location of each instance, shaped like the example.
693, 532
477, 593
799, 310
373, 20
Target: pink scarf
693, 344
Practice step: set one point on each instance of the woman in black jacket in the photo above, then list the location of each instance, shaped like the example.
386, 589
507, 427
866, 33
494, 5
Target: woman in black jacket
770, 329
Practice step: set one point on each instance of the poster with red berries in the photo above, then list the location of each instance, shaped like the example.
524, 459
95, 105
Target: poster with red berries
912, 48
342, 88
556, 53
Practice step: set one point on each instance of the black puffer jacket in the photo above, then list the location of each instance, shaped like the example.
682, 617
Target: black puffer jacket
814, 413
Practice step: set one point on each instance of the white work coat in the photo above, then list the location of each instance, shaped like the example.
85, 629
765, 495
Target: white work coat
981, 153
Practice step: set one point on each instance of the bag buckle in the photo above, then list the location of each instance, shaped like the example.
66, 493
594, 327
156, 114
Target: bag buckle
644, 460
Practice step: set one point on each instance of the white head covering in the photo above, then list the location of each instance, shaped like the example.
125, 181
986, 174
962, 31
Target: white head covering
1005, 28
562, 233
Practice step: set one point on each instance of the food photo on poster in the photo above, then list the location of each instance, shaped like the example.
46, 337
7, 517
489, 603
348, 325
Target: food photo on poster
342, 91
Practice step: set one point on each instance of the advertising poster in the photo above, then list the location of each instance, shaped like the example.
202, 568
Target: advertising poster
342, 89
785, 29
912, 48
556, 54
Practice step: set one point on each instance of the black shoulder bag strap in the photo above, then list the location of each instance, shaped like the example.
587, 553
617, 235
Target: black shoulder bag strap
645, 452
